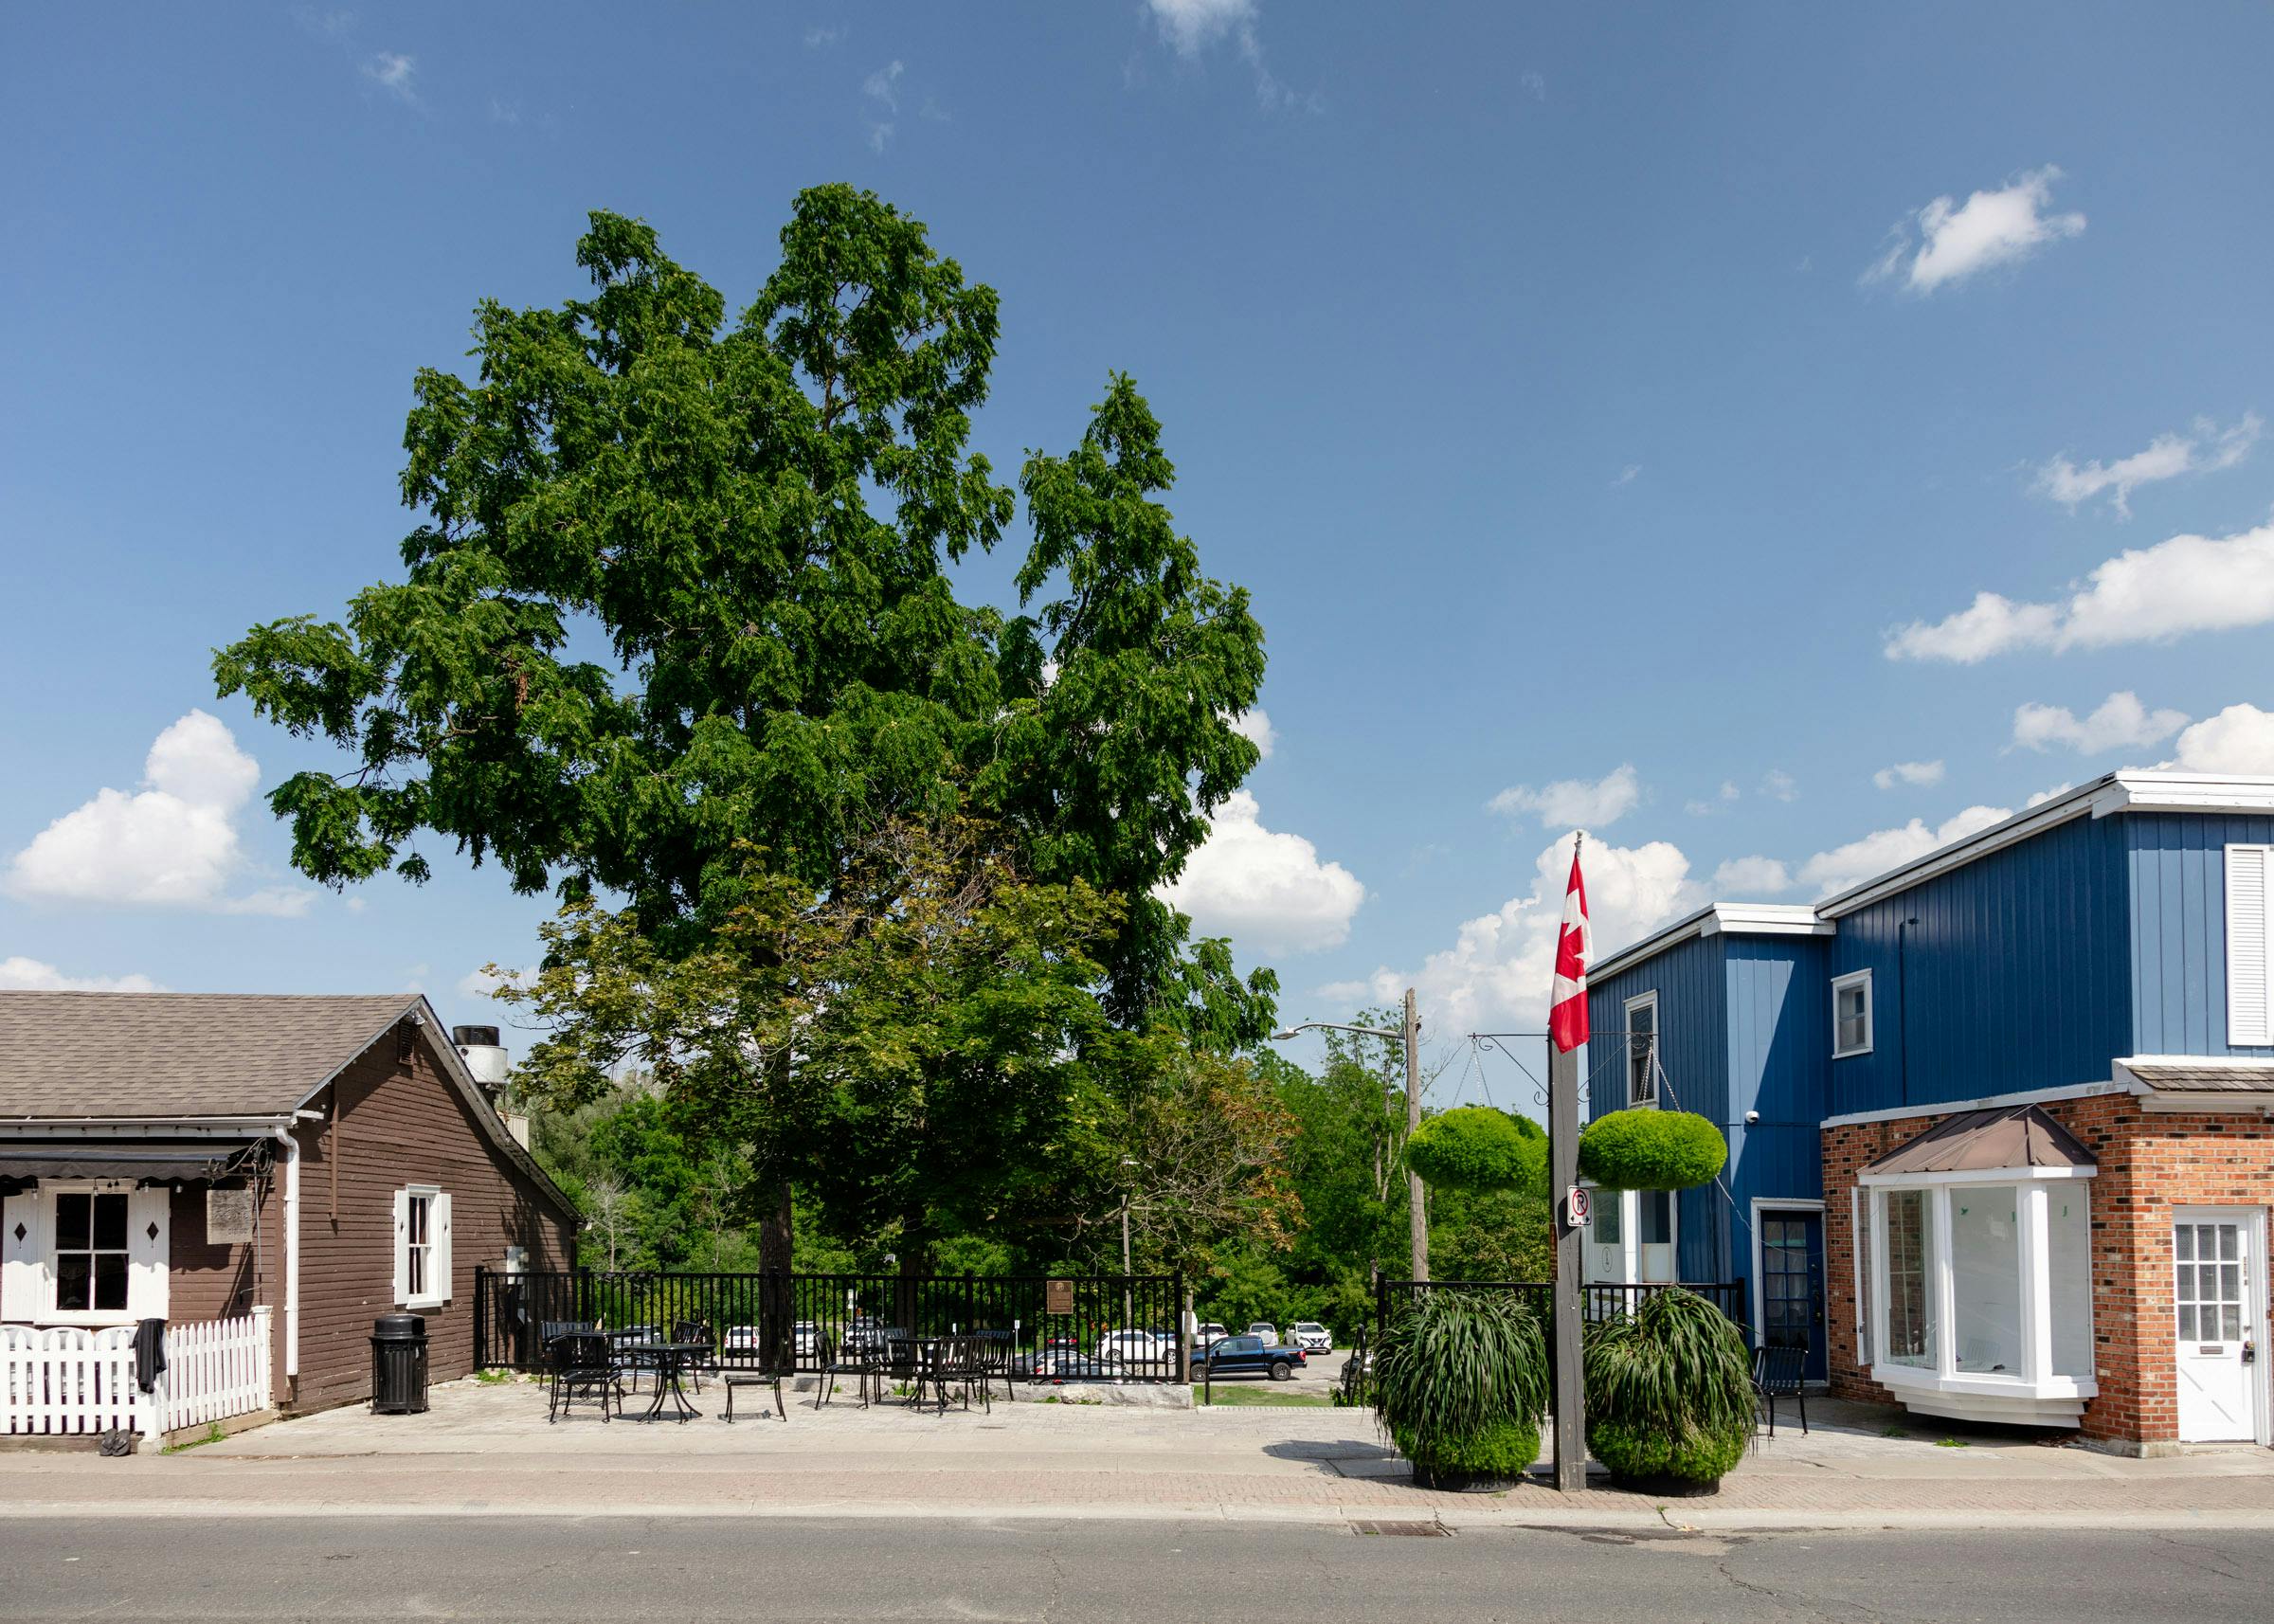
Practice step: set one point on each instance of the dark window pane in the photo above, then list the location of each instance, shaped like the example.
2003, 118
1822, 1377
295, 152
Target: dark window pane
110, 1280
71, 1221
110, 1222
72, 1281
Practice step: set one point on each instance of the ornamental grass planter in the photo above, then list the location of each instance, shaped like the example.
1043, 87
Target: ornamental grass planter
1669, 1395
1459, 1385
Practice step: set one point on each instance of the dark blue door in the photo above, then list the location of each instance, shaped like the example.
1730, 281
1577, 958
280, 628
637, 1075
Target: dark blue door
1791, 1285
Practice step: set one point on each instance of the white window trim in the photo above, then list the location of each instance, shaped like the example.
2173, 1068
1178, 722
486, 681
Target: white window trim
2256, 1328
146, 1297
438, 1249
1840, 985
1626, 1050
2036, 1379
2255, 1029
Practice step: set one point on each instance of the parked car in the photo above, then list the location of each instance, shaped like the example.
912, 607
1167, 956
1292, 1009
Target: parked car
1206, 1335
1136, 1348
1062, 1365
1252, 1355
1264, 1329
1311, 1335
1030, 1363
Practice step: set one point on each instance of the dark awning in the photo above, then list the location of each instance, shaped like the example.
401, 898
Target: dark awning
1985, 1141
117, 1159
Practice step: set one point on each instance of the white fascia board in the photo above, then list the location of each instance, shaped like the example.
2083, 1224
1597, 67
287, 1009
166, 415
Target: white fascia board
1988, 1102
2214, 1102
2185, 792
1970, 1176
2207, 1063
1719, 919
143, 1128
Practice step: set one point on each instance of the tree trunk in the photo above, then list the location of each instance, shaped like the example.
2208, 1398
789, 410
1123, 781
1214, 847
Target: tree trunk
775, 1249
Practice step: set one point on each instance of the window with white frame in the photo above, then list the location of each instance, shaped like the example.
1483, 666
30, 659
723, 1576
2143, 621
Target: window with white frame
1642, 1050
90, 1255
1851, 1014
421, 1247
2249, 945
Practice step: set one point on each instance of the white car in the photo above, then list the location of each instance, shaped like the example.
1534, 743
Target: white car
1266, 1330
1206, 1335
1135, 1347
1311, 1335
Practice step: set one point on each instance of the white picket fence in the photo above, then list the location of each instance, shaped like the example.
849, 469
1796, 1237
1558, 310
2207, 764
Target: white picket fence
68, 1378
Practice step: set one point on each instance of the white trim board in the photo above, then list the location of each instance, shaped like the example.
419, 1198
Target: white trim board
1717, 919
1988, 1102
1790, 1204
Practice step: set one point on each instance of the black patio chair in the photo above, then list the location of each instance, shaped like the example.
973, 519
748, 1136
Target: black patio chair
960, 1362
835, 1361
995, 1356
747, 1368
1778, 1374
696, 1331
581, 1367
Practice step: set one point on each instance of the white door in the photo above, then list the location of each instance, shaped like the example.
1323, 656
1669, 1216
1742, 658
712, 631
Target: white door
2215, 1293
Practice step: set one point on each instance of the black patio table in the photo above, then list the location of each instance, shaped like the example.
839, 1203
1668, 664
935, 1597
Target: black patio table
672, 1358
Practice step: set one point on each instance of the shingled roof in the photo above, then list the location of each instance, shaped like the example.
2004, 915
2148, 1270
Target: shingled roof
160, 1057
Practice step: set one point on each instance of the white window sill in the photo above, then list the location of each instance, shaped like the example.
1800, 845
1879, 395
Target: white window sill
1857, 1053
93, 1320
1903, 1377
425, 1302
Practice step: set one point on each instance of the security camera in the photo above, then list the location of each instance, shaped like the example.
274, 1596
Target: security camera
1752, 1117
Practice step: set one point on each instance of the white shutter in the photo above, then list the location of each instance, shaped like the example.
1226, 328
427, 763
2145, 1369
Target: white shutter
148, 1253
1859, 1216
2247, 1006
401, 1247
439, 1282
23, 1258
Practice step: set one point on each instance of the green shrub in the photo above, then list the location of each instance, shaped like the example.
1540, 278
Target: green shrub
1505, 1448
1462, 1376
1650, 1151
1476, 1148
1670, 1389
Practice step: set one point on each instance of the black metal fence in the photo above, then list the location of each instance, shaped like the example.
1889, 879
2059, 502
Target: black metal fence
1598, 1300
1096, 1327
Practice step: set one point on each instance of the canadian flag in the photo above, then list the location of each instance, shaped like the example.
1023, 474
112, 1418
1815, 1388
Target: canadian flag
1575, 946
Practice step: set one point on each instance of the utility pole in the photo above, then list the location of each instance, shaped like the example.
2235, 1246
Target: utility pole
1410, 1035
1564, 1161
1418, 1214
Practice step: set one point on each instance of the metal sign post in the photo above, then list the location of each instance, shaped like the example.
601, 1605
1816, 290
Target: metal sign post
1564, 1158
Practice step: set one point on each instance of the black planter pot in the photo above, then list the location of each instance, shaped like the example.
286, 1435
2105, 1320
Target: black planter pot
1665, 1487
1448, 1481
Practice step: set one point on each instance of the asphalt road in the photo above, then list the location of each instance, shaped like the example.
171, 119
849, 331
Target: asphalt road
1073, 1572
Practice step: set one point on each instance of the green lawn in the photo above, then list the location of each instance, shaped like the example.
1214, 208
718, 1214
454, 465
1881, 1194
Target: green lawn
1270, 1393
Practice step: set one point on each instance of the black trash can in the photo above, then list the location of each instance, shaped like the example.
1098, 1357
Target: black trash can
398, 1365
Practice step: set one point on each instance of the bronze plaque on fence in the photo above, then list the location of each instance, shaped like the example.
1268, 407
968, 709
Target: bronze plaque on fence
1057, 1297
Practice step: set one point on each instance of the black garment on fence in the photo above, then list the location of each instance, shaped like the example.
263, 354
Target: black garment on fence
150, 1353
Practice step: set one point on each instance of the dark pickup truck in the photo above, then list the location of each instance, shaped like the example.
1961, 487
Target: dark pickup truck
1251, 1356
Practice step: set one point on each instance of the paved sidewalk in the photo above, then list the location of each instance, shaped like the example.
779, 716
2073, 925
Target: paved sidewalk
489, 1450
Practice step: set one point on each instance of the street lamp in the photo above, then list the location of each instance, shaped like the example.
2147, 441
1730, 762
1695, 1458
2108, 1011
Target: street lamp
1417, 1216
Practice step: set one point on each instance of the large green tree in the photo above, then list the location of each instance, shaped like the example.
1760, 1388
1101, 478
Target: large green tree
678, 584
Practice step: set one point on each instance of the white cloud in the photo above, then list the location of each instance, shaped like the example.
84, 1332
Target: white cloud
1885, 849
1256, 726
1757, 877
2151, 594
1498, 967
1265, 889
1190, 27
482, 983
1628, 474
1779, 783
394, 73
819, 38
1704, 809
2121, 722
1574, 802
2045, 795
1947, 242
2207, 449
172, 845
29, 975
883, 86
1535, 81
2238, 739
1908, 772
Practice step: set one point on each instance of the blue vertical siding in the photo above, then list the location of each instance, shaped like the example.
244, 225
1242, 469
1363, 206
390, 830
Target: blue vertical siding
2018, 972
2178, 928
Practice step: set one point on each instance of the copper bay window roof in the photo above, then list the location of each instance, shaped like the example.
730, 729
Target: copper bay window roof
1985, 1141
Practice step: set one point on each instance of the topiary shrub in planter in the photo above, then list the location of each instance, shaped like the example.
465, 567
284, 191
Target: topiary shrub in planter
1650, 1151
1475, 1148
1670, 1394
1460, 1384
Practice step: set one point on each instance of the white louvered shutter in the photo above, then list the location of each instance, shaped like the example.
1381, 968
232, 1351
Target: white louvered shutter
2246, 948
23, 1277
439, 1282
148, 1214
401, 1247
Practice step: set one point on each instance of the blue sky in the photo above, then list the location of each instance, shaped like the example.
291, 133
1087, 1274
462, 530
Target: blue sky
1773, 438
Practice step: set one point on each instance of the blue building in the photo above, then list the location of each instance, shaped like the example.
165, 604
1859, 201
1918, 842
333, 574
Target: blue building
1997, 1119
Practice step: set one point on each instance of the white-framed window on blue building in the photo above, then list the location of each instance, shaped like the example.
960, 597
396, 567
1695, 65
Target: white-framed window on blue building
1852, 1014
2249, 927
1642, 1050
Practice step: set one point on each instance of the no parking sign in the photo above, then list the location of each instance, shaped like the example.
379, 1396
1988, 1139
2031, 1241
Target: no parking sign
1576, 1205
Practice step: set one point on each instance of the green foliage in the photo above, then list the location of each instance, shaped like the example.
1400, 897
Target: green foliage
1453, 1367
1504, 1448
1478, 1149
1668, 1384
1651, 1150
1499, 1236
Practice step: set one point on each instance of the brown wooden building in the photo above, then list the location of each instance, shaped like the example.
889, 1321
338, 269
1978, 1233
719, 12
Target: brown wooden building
281, 1167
